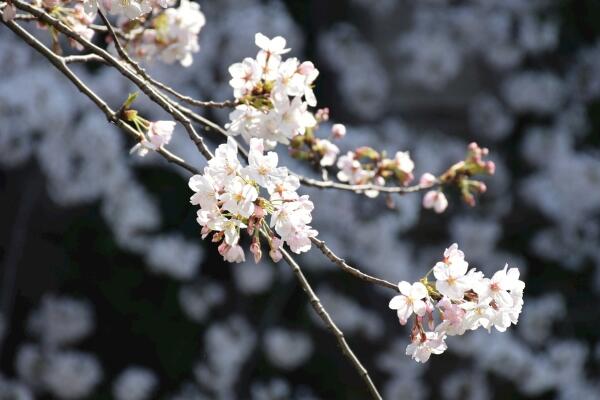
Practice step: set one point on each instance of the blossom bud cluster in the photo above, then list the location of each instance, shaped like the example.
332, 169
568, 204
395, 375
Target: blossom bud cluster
230, 200
322, 152
367, 166
274, 94
459, 175
128, 8
463, 300
72, 13
170, 35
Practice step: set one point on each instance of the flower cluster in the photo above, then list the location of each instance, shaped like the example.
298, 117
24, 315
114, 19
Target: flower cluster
367, 166
131, 9
321, 152
230, 200
274, 94
459, 175
171, 35
72, 13
464, 299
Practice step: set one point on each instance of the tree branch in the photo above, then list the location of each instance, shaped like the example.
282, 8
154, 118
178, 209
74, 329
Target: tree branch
360, 188
111, 116
183, 115
315, 302
158, 98
349, 269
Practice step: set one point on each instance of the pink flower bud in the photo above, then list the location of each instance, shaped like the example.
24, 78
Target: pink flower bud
234, 253
259, 212
338, 131
322, 114
469, 199
435, 199
251, 223
217, 237
274, 253
255, 249
205, 231
223, 248
427, 180
490, 167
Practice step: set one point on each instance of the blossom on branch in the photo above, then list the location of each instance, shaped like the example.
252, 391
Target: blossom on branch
463, 301
232, 199
274, 94
131, 9
158, 134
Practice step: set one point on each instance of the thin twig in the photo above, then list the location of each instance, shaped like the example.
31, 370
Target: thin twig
170, 107
192, 101
83, 58
111, 116
142, 72
349, 269
127, 72
360, 188
315, 302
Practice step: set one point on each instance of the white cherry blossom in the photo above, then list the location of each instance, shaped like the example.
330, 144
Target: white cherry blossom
433, 343
410, 300
239, 197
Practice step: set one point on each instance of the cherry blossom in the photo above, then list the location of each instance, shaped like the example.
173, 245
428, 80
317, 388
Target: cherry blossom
450, 275
464, 301
158, 134
423, 347
410, 300
274, 94
230, 200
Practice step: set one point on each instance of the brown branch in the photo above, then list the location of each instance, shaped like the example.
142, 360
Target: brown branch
111, 115
158, 98
360, 188
142, 72
340, 262
315, 302
192, 101
176, 110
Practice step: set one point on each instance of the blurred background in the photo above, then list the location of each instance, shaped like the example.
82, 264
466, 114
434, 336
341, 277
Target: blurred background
108, 292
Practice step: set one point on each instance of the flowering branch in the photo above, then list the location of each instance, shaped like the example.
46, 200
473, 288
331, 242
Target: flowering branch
271, 103
112, 116
159, 99
61, 64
